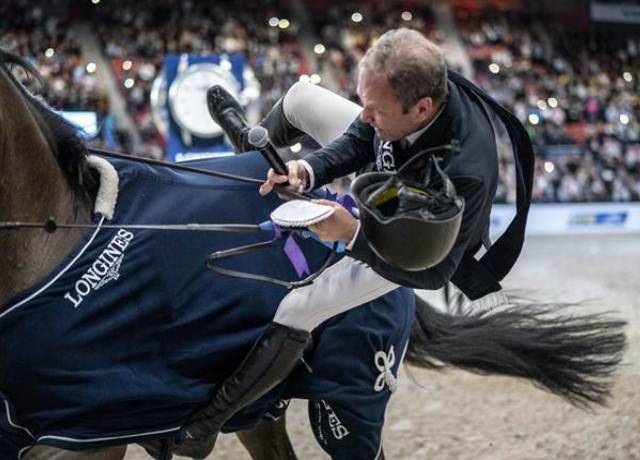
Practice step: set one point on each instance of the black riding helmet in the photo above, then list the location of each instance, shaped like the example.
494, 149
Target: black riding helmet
409, 224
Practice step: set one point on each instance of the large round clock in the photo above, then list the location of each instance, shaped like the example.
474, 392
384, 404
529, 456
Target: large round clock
188, 97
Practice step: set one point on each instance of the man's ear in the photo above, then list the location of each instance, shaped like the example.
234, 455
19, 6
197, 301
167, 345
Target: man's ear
424, 108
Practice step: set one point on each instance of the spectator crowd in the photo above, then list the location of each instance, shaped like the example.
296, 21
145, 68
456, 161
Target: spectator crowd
576, 91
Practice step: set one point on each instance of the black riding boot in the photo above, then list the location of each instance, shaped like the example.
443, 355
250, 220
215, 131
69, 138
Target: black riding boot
226, 111
269, 362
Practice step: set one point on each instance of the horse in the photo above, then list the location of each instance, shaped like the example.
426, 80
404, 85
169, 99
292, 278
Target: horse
163, 359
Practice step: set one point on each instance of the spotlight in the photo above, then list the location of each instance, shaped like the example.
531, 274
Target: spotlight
319, 48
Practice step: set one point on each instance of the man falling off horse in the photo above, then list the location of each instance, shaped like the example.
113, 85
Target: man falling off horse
410, 103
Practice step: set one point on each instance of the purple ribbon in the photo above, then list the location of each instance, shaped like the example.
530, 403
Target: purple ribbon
347, 202
296, 257
293, 250
277, 231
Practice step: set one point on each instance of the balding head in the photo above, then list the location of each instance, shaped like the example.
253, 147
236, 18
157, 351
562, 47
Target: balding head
414, 66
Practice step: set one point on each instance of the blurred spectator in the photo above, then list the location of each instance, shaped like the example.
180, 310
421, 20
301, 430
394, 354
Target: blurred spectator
576, 91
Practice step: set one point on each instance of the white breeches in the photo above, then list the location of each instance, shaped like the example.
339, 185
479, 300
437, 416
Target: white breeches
320, 113
324, 116
343, 286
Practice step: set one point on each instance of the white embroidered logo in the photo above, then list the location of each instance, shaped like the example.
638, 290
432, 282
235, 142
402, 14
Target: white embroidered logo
337, 428
384, 362
104, 269
385, 160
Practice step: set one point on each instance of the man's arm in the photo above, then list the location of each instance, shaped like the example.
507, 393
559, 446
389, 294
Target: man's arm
436, 277
347, 154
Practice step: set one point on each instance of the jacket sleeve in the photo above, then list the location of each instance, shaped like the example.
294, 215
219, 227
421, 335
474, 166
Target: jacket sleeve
475, 195
348, 153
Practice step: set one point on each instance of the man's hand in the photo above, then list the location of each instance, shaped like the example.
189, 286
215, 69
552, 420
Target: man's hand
340, 226
298, 178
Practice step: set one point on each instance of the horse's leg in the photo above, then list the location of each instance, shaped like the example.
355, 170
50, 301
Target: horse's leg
268, 441
54, 453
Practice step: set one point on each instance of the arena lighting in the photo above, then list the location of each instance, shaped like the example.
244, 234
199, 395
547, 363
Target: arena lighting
283, 23
627, 76
295, 148
553, 102
319, 48
356, 17
49, 52
494, 68
542, 104
91, 67
549, 167
534, 119
128, 83
126, 65
315, 78
273, 22
304, 78
95, 2
406, 16
624, 119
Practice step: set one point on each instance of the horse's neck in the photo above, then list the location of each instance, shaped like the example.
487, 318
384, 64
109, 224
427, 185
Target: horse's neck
33, 188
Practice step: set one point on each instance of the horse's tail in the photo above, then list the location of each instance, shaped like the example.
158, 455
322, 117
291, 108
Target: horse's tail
572, 356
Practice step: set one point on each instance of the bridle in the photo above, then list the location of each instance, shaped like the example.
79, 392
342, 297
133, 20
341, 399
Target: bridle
51, 225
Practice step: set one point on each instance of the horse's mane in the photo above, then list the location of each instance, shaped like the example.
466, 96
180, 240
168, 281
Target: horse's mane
69, 149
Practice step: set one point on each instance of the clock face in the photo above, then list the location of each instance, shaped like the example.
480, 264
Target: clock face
188, 98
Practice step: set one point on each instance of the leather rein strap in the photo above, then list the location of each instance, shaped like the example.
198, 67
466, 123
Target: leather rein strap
50, 225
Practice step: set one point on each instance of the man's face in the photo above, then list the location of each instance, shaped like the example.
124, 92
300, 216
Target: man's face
382, 109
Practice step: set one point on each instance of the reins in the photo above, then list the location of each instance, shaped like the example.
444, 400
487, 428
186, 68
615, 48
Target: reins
50, 225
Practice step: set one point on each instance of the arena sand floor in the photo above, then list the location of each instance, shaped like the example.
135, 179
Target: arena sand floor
460, 416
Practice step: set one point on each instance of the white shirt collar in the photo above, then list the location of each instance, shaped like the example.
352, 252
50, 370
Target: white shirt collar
411, 138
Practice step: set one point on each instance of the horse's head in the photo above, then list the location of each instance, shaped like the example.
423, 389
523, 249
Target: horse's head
43, 173
30, 130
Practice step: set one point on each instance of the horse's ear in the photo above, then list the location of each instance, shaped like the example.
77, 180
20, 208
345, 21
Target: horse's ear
7, 58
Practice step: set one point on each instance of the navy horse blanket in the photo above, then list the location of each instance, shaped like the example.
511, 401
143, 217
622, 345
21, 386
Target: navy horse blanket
131, 333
